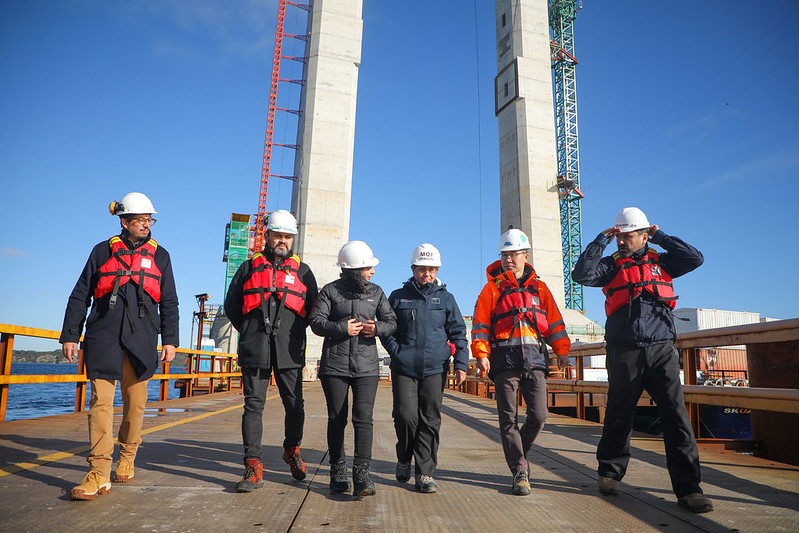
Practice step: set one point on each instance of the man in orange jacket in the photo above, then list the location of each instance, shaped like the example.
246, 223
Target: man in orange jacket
515, 315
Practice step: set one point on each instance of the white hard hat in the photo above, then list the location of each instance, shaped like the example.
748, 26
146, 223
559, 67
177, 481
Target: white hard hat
512, 240
282, 221
133, 203
356, 254
631, 219
426, 255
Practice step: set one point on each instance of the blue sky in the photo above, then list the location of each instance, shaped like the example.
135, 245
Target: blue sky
686, 109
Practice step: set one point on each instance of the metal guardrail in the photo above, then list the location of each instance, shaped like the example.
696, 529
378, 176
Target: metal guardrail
765, 399
227, 369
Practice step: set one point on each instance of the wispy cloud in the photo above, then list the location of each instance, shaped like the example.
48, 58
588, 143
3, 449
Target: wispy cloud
243, 28
13, 252
776, 165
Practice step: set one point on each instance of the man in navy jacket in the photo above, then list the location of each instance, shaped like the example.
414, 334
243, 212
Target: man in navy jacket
428, 319
637, 282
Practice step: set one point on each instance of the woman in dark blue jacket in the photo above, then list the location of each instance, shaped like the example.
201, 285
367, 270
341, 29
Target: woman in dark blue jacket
428, 320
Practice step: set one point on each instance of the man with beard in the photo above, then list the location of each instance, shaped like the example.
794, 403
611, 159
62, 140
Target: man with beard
268, 302
639, 299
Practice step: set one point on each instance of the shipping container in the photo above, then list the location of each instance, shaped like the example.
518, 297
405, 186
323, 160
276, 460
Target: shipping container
692, 319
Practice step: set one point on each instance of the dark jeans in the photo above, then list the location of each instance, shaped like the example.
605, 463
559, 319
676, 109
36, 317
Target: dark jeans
336, 390
256, 381
517, 442
417, 419
631, 370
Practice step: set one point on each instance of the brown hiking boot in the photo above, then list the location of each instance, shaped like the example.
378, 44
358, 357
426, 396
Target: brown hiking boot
124, 471
608, 485
93, 484
696, 503
253, 476
294, 460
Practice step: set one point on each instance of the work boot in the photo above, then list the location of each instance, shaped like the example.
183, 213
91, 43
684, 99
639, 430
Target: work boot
253, 476
124, 471
403, 471
93, 484
696, 502
362, 483
425, 484
294, 460
339, 482
521, 483
608, 485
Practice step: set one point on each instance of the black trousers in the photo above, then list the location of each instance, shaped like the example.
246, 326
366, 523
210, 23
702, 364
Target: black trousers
364, 391
631, 370
256, 382
417, 419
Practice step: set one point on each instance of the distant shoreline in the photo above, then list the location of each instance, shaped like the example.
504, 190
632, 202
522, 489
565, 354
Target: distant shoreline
57, 358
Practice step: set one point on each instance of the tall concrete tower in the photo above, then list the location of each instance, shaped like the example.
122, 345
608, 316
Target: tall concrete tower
323, 169
527, 151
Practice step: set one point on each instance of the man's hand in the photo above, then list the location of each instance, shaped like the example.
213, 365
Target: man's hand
563, 361
460, 375
354, 327
167, 352
653, 229
611, 232
369, 328
70, 349
484, 365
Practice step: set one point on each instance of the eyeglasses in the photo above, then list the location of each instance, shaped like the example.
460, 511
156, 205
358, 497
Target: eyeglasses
141, 221
511, 255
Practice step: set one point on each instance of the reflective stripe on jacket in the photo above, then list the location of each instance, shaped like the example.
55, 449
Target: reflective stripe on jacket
512, 322
635, 275
283, 280
137, 265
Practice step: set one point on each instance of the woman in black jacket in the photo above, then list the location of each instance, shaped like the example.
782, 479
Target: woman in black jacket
350, 313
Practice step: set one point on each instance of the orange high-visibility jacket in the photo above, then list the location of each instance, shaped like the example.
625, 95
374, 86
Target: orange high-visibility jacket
511, 322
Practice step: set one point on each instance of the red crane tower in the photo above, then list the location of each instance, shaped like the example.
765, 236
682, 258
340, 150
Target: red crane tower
258, 229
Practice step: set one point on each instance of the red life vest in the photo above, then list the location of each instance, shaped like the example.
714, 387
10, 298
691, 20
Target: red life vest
518, 307
284, 281
136, 265
635, 275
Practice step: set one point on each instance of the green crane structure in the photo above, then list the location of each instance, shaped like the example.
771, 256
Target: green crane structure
561, 18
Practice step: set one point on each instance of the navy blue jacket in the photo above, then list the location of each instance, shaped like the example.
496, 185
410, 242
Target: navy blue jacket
111, 332
648, 321
426, 319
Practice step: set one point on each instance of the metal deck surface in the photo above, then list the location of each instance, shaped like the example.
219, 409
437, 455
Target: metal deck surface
191, 459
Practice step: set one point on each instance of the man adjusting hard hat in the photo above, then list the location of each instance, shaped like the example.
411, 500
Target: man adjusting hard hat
639, 299
514, 319
428, 319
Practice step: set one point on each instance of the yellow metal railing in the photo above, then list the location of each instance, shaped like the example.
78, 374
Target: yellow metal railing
222, 367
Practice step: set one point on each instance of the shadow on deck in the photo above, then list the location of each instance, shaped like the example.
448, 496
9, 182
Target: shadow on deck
190, 461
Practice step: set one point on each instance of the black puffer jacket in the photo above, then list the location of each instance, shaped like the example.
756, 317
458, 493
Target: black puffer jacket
342, 354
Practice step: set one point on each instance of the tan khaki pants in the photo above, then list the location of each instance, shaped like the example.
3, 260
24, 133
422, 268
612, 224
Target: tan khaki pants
101, 419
